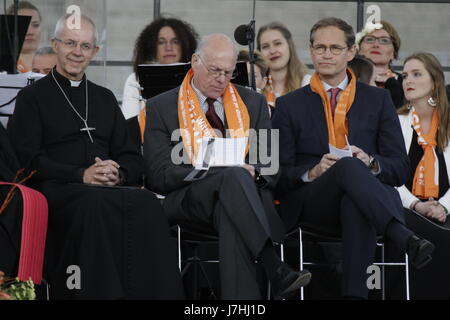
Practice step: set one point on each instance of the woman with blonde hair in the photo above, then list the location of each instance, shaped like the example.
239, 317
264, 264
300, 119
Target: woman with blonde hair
32, 37
425, 123
286, 71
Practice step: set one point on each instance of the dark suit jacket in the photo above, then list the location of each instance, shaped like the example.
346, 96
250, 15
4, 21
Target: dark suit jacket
373, 126
165, 177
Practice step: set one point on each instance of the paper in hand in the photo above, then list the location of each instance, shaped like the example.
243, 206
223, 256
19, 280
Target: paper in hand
342, 153
221, 152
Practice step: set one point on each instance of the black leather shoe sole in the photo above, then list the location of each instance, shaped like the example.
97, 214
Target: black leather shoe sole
302, 280
423, 255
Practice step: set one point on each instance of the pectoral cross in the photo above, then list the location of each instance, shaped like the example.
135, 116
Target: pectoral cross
88, 130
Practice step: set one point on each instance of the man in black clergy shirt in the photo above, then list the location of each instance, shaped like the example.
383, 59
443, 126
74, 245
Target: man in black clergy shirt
73, 133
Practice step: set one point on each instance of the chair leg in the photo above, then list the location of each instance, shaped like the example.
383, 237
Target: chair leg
47, 289
383, 288
179, 246
407, 275
300, 245
205, 275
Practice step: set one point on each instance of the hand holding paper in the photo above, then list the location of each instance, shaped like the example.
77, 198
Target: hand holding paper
221, 152
341, 153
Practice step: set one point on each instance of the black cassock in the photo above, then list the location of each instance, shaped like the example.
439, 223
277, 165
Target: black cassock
118, 237
11, 217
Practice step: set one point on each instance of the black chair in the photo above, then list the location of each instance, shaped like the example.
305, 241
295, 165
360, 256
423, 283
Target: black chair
306, 233
194, 239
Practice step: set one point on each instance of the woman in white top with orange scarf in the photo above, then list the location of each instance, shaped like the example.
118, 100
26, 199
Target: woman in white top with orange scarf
425, 122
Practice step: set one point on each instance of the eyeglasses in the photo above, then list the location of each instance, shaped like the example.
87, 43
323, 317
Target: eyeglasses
71, 44
381, 40
172, 42
217, 72
320, 49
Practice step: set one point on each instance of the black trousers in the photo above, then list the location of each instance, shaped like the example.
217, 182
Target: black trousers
229, 202
350, 201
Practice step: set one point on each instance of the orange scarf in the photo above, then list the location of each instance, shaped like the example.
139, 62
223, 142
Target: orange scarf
425, 183
21, 67
142, 118
193, 122
268, 92
337, 127
270, 97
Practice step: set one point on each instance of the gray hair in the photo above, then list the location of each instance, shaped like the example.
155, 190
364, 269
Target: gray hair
204, 40
43, 51
61, 24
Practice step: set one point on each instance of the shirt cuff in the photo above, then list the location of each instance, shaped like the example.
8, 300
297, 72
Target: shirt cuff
305, 177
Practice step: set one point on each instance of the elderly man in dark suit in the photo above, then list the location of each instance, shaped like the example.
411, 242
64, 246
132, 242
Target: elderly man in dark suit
235, 202
353, 196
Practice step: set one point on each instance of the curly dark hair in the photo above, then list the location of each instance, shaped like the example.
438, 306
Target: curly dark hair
146, 43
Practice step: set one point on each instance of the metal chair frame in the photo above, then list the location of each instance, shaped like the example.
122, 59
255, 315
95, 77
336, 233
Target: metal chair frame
328, 239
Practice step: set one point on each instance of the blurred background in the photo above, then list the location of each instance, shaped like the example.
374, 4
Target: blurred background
422, 25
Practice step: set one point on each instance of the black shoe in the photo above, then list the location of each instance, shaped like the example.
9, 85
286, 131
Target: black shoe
287, 281
419, 251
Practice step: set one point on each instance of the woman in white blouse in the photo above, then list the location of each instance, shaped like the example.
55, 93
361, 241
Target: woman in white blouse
425, 123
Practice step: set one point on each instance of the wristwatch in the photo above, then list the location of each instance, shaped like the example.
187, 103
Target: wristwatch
259, 179
372, 162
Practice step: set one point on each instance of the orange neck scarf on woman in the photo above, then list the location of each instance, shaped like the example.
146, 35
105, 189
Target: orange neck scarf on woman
269, 93
337, 127
21, 66
425, 183
193, 122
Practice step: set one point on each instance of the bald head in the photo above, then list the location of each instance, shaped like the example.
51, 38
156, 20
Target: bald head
213, 64
216, 42
68, 21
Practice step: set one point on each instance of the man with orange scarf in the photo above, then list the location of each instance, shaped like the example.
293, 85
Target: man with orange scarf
353, 197
233, 202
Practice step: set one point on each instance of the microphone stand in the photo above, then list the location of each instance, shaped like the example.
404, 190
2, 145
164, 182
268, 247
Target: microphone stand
251, 48
251, 53
16, 36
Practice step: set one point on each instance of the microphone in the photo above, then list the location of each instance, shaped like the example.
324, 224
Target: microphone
241, 32
245, 35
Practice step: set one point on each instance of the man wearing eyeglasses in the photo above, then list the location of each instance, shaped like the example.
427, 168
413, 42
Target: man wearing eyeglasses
107, 237
348, 192
234, 203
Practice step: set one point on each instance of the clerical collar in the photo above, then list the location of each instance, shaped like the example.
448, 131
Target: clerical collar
75, 83
65, 82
